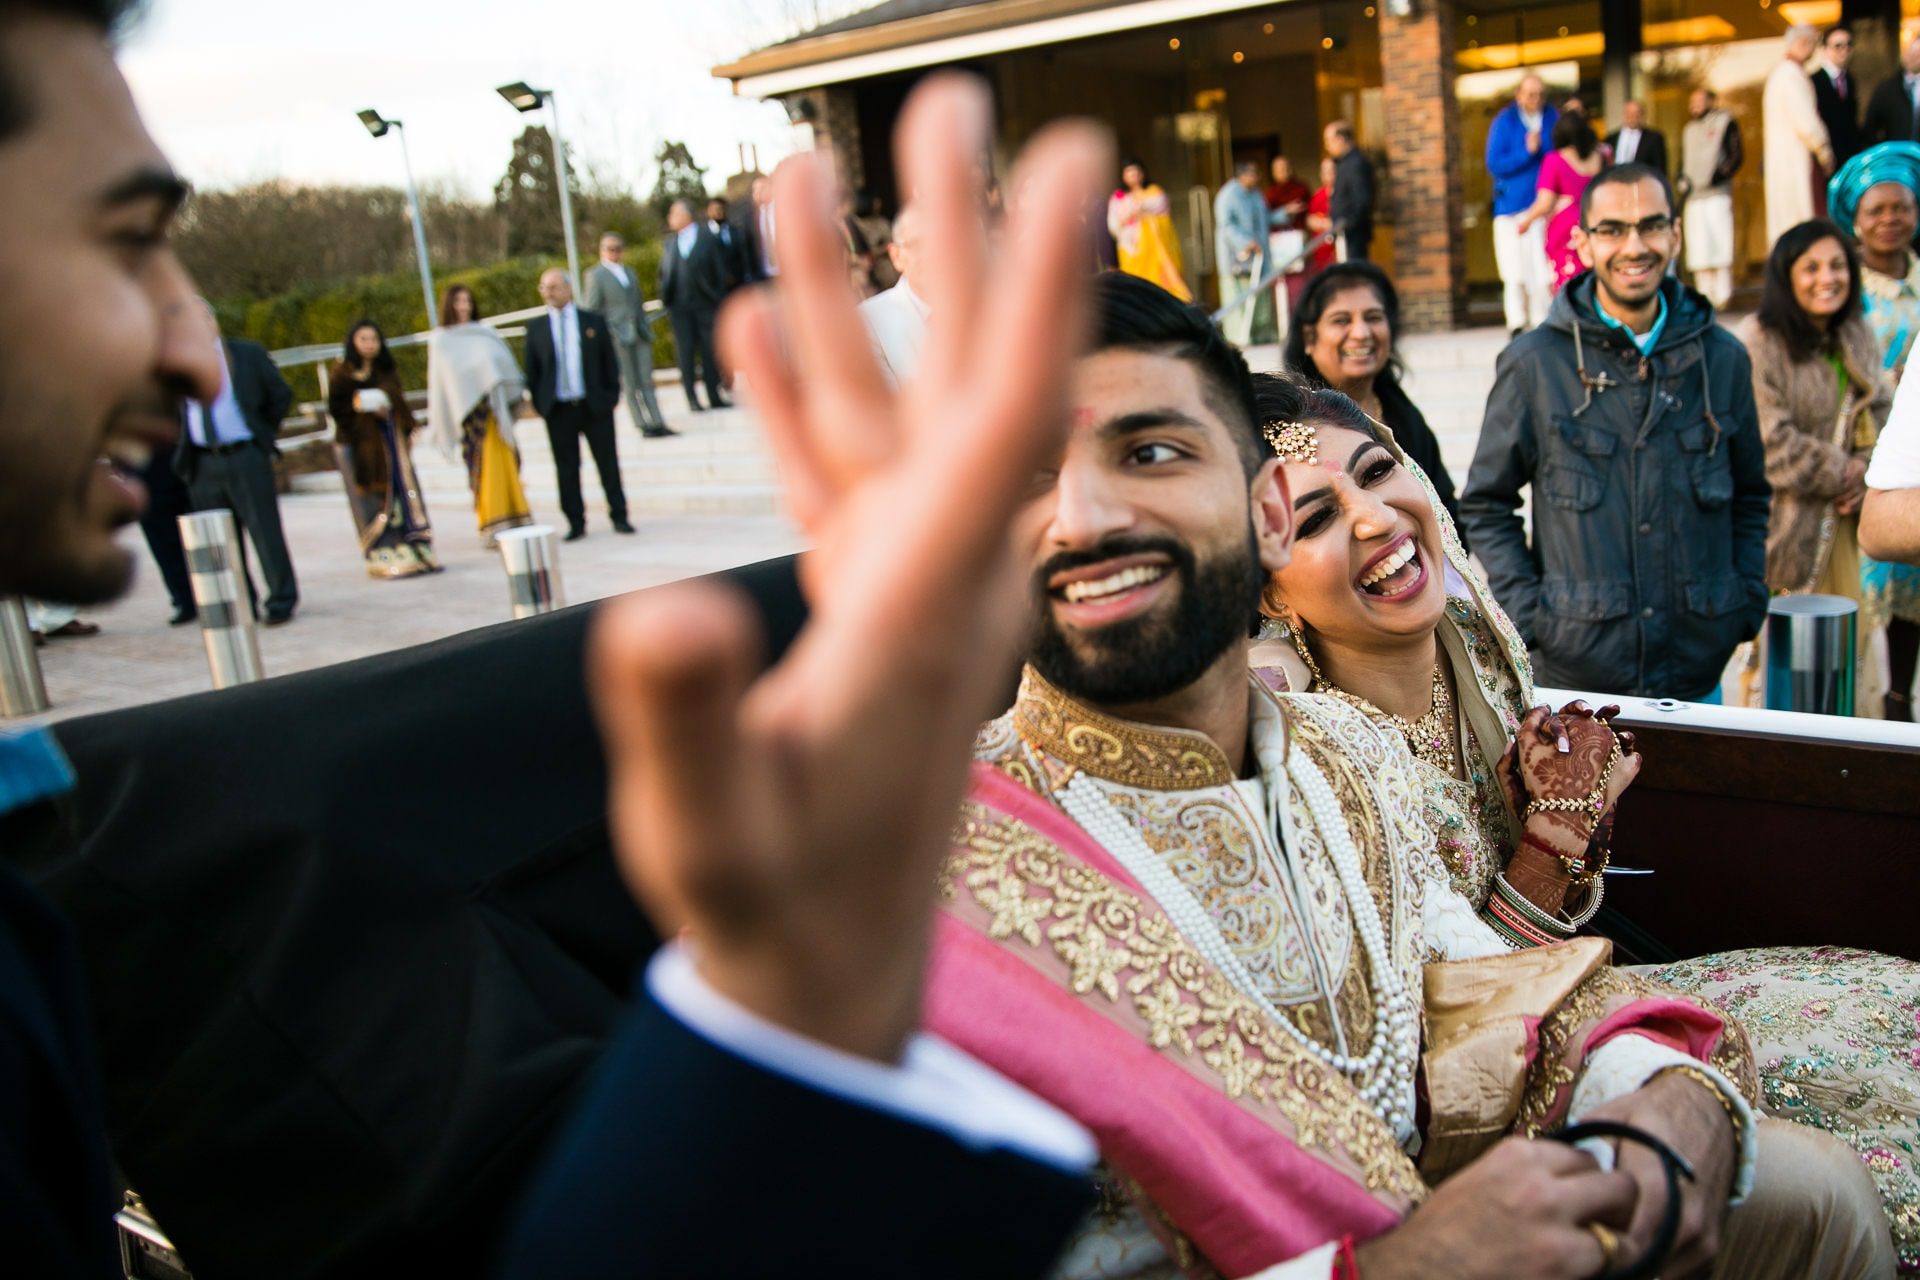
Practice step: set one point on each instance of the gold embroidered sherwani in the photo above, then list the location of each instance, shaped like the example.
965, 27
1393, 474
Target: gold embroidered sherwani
1255, 855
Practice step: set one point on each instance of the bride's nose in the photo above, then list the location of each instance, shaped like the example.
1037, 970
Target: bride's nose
1370, 517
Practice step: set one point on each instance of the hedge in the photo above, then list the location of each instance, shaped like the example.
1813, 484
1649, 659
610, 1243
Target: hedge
321, 313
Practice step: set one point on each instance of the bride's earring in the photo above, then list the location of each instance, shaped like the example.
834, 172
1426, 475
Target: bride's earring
1273, 629
1299, 637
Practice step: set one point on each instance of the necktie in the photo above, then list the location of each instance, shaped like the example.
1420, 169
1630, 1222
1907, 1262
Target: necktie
1840, 83
566, 360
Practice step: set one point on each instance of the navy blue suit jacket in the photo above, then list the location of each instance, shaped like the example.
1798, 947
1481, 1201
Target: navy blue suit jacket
56, 1201
686, 1160
341, 1021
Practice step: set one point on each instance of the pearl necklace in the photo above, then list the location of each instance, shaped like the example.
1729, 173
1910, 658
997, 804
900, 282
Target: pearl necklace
1383, 1076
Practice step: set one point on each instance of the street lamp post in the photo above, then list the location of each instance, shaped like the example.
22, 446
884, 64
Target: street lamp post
377, 125
523, 98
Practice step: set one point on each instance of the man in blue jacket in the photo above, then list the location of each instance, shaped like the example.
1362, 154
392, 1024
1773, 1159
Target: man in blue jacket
1516, 144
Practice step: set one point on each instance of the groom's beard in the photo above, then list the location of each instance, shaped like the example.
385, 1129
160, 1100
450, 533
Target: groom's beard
1158, 652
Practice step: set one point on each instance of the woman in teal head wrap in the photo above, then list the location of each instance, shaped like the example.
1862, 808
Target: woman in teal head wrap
1876, 195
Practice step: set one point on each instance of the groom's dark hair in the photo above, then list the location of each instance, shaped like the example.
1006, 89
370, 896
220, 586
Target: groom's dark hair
1132, 314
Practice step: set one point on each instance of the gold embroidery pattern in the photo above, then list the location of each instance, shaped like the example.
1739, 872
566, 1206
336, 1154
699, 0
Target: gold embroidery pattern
1113, 944
1550, 1083
1372, 777
1135, 755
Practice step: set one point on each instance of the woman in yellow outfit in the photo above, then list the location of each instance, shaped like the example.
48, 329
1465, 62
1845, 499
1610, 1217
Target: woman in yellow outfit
472, 384
1139, 217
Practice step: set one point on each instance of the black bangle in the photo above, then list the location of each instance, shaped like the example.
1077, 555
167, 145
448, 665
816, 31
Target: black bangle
1671, 1162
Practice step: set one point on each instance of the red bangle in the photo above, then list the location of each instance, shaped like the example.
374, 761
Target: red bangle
1575, 864
1344, 1267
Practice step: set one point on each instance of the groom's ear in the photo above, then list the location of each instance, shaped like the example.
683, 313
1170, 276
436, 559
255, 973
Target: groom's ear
1272, 510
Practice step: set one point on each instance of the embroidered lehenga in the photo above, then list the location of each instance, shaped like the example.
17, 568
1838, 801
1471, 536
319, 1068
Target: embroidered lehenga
1835, 1031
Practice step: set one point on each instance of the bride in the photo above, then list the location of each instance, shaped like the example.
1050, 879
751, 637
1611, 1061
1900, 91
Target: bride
1381, 609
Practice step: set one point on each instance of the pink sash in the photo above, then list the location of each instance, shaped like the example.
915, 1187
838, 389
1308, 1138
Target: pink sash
1053, 966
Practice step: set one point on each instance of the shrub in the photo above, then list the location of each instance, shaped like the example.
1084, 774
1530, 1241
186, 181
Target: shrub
320, 314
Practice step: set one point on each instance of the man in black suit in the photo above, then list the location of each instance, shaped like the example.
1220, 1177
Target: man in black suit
693, 280
225, 458
753, 233
720, 223
1351, 209
1892, 111
574, 375
1634, 143
1837, 97
167, 501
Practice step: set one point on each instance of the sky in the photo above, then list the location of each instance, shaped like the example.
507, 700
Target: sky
239, 91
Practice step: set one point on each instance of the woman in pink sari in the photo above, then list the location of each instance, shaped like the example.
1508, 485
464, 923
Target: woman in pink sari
1576, 157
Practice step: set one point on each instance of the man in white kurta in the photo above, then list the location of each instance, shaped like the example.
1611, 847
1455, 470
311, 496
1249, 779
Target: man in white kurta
1798, 153
896, 318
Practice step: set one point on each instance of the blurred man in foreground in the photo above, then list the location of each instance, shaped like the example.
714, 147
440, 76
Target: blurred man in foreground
785, 1043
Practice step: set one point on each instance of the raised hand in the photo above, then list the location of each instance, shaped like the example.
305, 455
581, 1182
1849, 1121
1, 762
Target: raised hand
793, 821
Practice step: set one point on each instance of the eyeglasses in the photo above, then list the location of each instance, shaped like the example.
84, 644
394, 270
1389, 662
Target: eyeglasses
1657, 227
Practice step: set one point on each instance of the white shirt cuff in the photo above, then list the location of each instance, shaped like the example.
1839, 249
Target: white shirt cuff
1315, 1264
935, 1085
1625, 1063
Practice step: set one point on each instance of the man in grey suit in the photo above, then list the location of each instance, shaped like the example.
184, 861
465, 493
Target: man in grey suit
613, 290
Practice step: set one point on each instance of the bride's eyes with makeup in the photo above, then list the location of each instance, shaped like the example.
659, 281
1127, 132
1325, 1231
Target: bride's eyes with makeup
1374, 468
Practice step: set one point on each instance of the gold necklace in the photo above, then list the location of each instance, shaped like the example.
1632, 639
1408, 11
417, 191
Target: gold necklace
1430, 738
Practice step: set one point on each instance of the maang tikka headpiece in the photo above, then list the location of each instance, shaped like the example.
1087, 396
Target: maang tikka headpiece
1293, 441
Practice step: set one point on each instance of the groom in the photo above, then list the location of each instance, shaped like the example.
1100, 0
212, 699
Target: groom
1196, 917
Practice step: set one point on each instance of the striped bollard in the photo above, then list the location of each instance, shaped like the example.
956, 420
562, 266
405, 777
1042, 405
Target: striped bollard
531, 555
226, 617
22, 691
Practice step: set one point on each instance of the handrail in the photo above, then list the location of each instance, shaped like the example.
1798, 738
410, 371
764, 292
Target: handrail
1267, 281
319, 352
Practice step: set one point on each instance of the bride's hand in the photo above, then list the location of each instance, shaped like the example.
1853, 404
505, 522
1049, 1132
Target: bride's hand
1561, 756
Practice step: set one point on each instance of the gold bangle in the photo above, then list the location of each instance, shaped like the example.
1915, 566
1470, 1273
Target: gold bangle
1712, 1086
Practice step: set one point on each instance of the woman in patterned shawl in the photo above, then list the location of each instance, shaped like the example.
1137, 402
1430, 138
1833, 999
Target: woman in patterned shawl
1835, 1032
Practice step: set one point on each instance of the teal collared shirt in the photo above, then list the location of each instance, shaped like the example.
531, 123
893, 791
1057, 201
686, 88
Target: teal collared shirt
32, 768
1646, 343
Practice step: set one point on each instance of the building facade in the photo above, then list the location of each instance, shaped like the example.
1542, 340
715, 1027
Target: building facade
1192, 86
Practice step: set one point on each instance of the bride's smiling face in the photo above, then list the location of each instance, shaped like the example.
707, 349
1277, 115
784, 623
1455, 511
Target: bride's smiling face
1367, 565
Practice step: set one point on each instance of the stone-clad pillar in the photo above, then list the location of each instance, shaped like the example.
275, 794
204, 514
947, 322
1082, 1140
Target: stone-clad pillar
1423, 159
835, 117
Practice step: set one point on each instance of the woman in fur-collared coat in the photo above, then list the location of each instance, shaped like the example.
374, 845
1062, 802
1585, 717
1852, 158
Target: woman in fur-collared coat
1822, 400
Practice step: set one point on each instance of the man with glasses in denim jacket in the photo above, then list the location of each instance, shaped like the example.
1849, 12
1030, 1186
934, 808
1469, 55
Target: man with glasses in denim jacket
1630, 414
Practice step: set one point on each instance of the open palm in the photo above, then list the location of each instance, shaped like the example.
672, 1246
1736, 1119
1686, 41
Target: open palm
793, 821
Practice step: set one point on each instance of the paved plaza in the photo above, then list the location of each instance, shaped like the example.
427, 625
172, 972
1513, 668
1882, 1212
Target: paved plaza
705, 502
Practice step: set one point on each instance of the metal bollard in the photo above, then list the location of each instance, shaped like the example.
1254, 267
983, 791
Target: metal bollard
22, 691
1810, 657
531, 555
226, 616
